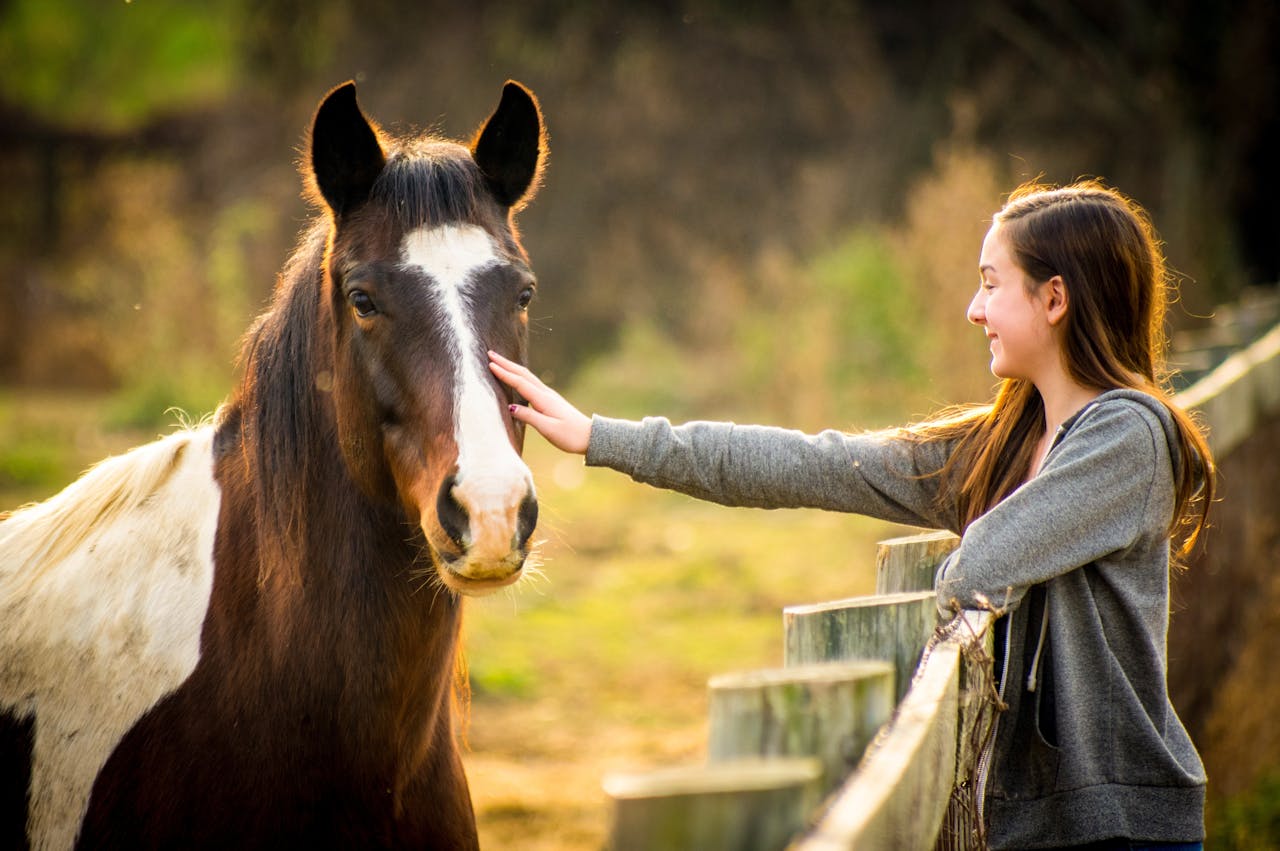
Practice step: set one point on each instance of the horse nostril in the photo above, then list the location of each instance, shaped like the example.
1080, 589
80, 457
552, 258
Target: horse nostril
453, 517
528, 519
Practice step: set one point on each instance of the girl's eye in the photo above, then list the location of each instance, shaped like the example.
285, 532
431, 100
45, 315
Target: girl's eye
361, 303
526, 296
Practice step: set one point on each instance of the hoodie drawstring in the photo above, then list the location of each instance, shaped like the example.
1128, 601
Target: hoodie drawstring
1032, 676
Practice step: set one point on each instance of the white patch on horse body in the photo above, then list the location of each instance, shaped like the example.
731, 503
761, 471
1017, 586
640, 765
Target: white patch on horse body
103, 594
492, 479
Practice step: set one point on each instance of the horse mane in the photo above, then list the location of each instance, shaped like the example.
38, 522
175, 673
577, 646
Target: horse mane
287, 352
276, 405
38, 536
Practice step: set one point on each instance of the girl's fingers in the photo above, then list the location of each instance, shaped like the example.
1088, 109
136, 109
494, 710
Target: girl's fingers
515, 382
501, 358
547, 411
517, 369
526, 384
515, 375
526, 415
567, 433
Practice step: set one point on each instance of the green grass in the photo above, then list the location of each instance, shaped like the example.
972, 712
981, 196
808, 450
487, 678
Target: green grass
641, 584
601, 662
1248, 822
48, 439
637, 583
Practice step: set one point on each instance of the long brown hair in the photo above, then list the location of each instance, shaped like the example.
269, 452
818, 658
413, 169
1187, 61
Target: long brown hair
1105, 249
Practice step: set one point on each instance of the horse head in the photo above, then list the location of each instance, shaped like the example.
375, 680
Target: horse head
424, 273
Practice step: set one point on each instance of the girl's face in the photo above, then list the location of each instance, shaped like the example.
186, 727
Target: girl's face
1023, 345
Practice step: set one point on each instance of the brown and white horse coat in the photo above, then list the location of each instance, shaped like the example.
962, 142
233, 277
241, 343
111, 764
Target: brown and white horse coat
244, 635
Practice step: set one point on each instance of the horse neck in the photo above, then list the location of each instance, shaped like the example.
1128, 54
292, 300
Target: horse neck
340, 616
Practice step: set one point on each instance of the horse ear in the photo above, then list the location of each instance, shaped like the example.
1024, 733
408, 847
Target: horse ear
511, 146
346, 157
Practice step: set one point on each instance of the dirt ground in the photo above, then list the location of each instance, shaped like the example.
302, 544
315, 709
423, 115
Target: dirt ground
536, 775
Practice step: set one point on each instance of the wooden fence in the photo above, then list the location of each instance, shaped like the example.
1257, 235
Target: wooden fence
868, 736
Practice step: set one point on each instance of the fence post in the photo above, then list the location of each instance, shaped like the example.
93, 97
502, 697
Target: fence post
817, 706
829, 711
909, 563
894, 627
756, 805
978, 698
903, 789
899, 794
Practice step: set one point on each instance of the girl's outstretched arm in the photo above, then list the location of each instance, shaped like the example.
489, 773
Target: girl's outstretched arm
563, 425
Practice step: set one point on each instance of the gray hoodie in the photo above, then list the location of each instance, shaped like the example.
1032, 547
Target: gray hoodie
1090, 747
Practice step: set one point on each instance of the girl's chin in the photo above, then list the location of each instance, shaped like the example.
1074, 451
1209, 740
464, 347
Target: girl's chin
999, 371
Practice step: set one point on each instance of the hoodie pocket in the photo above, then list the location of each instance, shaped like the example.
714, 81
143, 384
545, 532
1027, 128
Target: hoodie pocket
1029, 767
1046, 698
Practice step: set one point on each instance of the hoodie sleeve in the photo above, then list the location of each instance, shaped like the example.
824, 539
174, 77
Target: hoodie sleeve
1105, 487
877, 474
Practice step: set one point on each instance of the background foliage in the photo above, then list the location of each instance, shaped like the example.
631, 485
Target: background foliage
727, 180
757, 210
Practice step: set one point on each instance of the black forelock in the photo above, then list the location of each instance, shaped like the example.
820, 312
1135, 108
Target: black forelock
431, 182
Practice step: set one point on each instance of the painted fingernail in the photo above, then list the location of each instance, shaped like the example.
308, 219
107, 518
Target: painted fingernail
512, 408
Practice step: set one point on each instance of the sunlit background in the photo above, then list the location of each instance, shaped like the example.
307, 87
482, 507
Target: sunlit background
763, 211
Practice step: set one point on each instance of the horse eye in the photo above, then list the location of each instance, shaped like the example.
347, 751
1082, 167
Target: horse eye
362, 304
526, 296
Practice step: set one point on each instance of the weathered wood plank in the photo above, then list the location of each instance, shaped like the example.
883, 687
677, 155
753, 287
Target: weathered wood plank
1241, 392
829, 711
909, 563
753, 805
893, 627
899, 794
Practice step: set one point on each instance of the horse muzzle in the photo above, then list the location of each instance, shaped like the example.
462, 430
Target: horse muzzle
486, 524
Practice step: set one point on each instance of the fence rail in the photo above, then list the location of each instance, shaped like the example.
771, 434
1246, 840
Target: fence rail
868, 737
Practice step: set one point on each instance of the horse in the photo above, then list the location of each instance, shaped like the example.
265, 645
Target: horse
246, 633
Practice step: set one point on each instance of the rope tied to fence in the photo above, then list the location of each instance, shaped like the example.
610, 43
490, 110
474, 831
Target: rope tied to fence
980, 704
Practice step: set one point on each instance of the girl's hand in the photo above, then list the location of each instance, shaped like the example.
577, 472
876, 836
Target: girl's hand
563, 425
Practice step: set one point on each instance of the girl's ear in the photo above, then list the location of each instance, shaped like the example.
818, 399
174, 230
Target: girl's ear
1055, 299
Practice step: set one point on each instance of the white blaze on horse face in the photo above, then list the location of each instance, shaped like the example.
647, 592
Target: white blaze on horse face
103, 594
492, 480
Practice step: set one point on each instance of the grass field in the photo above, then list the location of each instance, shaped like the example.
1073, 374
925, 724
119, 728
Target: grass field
599, 663
602, 665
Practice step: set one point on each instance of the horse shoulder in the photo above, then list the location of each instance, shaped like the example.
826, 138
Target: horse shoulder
103, 594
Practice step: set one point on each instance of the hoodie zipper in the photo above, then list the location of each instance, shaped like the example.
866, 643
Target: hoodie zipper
1033, 674
984, 758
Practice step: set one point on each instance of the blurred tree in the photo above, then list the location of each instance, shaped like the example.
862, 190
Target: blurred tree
1174, 102
689, 138
115, 66
83, 83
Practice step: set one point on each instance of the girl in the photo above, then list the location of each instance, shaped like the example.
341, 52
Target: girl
1068, 491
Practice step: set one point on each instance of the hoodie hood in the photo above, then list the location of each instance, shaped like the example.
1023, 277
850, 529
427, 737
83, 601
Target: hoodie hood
1173, 438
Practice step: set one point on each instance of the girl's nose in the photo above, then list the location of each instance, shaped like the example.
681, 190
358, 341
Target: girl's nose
977, 313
